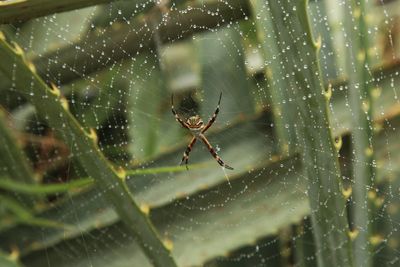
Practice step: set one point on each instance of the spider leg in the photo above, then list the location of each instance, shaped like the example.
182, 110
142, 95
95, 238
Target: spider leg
184, 124
187, 151
214, 153
214, 116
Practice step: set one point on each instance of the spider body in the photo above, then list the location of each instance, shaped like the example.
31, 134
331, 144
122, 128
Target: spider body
197, 127
195, 124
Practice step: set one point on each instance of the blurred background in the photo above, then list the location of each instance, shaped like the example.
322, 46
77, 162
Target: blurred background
117, 65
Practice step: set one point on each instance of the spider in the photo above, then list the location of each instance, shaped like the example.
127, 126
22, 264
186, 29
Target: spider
196, 126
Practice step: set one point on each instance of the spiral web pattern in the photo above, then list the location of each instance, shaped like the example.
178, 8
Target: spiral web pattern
117, 65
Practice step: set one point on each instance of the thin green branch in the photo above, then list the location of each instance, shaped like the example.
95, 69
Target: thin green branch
15, 207
52, 107
21, 10
12, 156
45, 189
24, 215
35, 221
167, 169
13, 162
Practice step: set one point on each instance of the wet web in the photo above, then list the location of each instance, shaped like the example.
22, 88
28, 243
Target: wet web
118, 71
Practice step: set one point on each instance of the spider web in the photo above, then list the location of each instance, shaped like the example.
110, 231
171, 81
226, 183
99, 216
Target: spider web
122, 89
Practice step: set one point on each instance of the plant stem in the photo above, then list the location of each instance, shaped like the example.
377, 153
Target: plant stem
360, 85
25, 216
299, 57
13, 161
43, 189
52, 107
15, 11
12, 156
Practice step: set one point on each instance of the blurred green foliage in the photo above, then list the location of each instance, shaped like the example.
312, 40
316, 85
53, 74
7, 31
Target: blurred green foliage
62, 201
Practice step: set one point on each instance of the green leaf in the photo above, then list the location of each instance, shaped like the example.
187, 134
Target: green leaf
23, 215
319, 13
153, 186
264, 253
360, 93
53, 108
49, 35
180, 68
157, 190
15, 207
80, 212
119, 12
221, 57
386, 201
283, 111
149, 123
221, 219
96, 50
8, 261
304, 245
319, 155
105, 96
